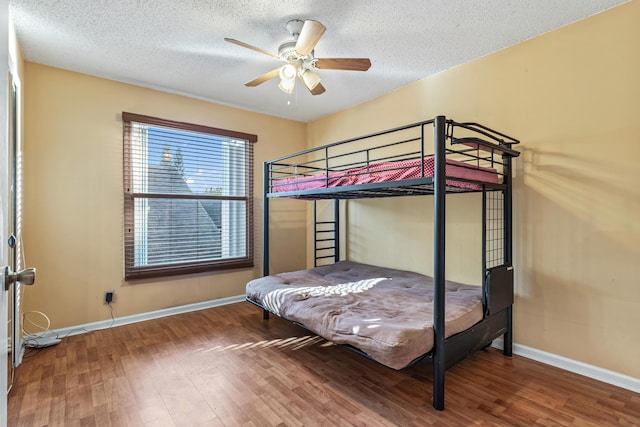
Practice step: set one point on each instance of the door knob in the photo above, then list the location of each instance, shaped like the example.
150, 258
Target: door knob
25, 277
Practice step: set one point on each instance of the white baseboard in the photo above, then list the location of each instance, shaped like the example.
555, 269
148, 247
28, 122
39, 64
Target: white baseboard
590, 371
126, 320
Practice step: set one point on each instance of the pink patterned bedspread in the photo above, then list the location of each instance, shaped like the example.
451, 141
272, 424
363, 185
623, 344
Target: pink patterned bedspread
389, 171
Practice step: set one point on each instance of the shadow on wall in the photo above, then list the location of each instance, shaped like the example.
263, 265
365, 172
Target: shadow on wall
572, 206
595, 189
576, 243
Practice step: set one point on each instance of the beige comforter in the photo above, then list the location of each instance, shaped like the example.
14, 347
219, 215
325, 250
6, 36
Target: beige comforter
386, 313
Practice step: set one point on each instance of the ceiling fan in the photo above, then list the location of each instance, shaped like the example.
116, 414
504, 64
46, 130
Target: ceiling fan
300, 60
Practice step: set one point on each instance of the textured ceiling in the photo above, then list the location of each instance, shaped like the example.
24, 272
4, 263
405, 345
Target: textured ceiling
178, 46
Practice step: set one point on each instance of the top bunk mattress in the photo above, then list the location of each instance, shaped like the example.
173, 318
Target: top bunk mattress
389, 172
386, 313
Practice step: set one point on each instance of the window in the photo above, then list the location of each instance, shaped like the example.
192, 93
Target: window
188, 202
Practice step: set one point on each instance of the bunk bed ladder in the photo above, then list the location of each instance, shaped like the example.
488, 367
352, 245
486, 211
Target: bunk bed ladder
326, 235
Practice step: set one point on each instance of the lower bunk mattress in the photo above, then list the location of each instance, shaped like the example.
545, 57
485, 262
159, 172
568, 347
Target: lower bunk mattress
385, 313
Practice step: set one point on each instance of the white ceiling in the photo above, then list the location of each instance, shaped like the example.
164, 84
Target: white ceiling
178, 46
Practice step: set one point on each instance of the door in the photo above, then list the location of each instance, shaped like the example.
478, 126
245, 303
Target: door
12, 191
13, 233
4, 200
4, 233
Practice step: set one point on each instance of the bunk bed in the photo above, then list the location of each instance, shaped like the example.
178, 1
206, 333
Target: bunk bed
439, 320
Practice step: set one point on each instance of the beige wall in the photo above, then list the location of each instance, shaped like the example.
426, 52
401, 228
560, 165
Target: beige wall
73, 210
573, 98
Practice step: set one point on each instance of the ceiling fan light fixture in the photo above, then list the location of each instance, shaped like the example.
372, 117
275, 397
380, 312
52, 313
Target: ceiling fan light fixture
288, 72
288, 75
287, 86
310, 79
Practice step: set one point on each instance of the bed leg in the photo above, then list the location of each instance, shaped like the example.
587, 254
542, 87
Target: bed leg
265, 315
438, 389
508, 336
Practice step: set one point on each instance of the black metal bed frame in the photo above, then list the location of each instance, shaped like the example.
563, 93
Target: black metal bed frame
480, 146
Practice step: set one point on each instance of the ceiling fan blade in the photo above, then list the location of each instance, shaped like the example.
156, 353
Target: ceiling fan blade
248, 46
263, 78
319, 89
349, 64
309, 37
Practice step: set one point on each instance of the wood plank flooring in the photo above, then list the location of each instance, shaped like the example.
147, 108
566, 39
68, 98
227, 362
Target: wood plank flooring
227, 367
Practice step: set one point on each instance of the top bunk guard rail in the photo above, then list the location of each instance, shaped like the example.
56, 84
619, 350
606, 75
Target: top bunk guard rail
399, 161
346, 141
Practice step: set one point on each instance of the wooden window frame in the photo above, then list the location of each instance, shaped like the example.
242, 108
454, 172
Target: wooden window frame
132, 271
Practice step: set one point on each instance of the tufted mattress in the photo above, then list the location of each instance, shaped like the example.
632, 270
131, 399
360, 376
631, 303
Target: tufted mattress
386, 313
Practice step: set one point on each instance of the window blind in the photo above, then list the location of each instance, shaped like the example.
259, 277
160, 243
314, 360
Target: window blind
188, 197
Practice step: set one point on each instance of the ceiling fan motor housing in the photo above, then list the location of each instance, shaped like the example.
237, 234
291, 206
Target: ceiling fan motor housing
287, 50
295, 27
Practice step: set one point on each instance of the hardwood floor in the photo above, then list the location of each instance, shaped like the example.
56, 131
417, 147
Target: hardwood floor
227, 367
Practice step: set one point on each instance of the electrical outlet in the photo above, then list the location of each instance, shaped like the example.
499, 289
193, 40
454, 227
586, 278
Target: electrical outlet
108, 297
